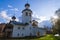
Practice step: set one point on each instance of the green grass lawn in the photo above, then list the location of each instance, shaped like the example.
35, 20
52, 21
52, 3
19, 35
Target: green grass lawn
47, 37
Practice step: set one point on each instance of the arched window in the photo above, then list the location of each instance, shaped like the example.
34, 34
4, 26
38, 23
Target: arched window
26, 13
38, 34
30, 28
26, 23
23, 28
18, 34
30, 34
29, 14
30, 21
18, 27
33, 26
22, 34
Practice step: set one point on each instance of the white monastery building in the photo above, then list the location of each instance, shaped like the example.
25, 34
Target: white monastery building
27, 27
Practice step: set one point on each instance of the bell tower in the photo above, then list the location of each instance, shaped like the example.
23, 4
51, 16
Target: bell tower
26, 14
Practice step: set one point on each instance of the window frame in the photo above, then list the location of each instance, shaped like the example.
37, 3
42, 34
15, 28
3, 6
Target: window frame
18, 27
26, 13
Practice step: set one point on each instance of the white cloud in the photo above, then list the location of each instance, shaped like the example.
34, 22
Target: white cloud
10, 6
4, 15
15, 9
39, 18
17, 19
55, 17
43, 18
35, 17
0, 22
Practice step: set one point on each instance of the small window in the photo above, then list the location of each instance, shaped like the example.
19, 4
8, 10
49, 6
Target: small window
18, 34
29, 14
30, 27
23, 28
18, 27
26, 23
38, 34
26, 14
30, 34
22, 34
30, 21
33, 26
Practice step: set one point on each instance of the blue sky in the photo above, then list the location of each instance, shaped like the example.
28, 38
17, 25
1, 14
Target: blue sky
42, 9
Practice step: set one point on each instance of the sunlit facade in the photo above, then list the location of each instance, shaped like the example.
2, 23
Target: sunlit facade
27, 27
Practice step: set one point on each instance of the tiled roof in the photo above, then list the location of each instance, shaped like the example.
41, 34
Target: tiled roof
18, 23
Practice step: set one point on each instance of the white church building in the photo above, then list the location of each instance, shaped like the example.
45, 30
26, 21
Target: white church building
27, 27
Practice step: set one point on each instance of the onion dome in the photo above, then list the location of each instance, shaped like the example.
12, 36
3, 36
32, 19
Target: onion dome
13, 17
27, 4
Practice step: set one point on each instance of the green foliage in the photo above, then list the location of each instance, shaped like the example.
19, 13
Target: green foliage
48, 37
56, 27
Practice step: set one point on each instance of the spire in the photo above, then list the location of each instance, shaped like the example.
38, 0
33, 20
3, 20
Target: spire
13, 17
27, 5
27, 1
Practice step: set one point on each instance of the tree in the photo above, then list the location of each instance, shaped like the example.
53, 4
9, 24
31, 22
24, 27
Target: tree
56, 26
